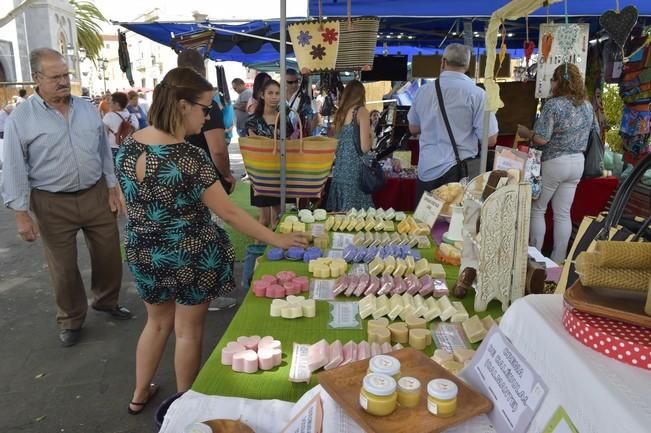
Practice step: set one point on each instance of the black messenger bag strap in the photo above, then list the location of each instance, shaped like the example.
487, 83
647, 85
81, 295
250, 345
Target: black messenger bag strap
439, 95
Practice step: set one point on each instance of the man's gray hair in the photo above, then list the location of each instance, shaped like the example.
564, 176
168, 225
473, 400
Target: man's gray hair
36, 55
457, 55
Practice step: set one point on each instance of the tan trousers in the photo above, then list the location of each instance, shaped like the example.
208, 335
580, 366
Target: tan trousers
60, 216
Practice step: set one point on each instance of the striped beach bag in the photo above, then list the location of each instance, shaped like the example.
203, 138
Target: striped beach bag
334, 44
308, 164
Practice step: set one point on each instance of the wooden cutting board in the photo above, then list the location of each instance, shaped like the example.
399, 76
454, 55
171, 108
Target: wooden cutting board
344, 384
592, 302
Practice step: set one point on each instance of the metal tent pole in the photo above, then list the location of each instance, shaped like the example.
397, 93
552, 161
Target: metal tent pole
283, 103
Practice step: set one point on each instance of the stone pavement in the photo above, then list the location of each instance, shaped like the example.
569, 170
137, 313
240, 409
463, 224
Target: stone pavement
85, 388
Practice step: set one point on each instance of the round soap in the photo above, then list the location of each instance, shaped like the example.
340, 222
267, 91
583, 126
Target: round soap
275, 254
295, 253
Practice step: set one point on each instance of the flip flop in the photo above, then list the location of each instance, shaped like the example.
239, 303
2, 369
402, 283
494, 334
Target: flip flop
153, 390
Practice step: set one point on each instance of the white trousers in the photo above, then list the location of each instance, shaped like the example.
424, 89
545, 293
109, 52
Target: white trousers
559, 179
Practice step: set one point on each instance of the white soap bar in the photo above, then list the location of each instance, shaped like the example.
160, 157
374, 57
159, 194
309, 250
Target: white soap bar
376, 266
421, 268
389, 265
462, 355
291, 311
366, 310
488, 322
442, 355
437, 271
411, 265
447, 309
418, 300
400, 269
474, 329
407, 310
276, 307
368, 300
408, 299
309, 308
420, 311
335, 355
461, 314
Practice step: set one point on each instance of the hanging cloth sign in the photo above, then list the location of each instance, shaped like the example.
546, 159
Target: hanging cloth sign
560, 43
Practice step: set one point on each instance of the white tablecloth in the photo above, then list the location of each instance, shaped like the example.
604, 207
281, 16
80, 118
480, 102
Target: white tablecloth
598, 393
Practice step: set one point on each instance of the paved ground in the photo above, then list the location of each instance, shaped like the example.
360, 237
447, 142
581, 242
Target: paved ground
85, 388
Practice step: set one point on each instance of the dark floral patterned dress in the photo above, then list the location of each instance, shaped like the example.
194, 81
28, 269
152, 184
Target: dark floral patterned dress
173, 248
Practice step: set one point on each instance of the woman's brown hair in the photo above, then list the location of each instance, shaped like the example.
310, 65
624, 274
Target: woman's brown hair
354, 95
179, 83
569, 83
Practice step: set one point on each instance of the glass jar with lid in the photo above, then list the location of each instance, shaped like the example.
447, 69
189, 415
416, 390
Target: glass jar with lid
385, 364
408, 391
442, 397
378, 395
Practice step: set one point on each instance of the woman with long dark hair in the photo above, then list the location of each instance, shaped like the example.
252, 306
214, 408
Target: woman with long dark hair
561, 132
345, 193
179, 258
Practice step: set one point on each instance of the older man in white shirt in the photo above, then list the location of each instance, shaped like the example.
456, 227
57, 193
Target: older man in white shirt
464, 103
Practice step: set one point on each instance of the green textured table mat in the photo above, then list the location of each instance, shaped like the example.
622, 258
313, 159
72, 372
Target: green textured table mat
253, 319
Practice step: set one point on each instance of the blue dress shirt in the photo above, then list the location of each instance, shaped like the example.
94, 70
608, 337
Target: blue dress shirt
464, 105
46, 151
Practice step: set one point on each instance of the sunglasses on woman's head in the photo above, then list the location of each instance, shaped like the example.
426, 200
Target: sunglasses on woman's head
205, 108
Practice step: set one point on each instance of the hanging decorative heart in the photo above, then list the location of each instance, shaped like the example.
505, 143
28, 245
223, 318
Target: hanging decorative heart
619, 25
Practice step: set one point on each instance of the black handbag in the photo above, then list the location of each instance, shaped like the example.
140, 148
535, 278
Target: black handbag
371, 176
594, 155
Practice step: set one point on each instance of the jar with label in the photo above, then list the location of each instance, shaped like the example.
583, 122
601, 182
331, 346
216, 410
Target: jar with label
408, 391
442, 397
385, 364
378, 395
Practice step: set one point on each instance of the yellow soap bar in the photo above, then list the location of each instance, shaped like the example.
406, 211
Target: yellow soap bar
321, 271
360, 225
379, 225
433, 310
358, 239
418, 300
412, 241
298, 227
418, 338
447, 310
389, 226
376, 266
322, 241
352, 224
395, 238
421, 268
379, 335
423, 242
474, 329
462, 355
368, 239
285, 227
408, 299
411, 265
437, 271
461, 314
389, 265
441, 356
366, 310
367, 300
352, 213
488, 322
414, 322
337, 223
452, 366
385, 239
404, 226
400, 269
382, 322
399, 332
421, 230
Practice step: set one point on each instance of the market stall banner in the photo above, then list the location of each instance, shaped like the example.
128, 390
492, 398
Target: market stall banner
559, 44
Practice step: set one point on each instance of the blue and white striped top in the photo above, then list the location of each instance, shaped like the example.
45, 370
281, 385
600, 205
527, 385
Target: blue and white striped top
44, 151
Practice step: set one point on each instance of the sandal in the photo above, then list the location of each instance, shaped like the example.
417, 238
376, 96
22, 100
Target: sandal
153, 390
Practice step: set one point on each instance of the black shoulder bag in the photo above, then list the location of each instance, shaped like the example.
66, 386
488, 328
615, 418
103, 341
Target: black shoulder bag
371, 176
463, 166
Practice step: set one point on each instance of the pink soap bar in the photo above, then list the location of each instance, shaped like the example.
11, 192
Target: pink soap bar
363, 350
399, 286
249, 342
269, 343
260, 288
364, 279
386, 285
291, 288
285, 276
269, 279
352, 284
373, 285
386, 348
427, 285
335, 355
317, 355
275, 291
269, 358
303, 283
413, 284
231, 349
350, 353
376, 349
245, 362
341, 284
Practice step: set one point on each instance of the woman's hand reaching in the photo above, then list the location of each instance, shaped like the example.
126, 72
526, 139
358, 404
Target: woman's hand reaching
286, 240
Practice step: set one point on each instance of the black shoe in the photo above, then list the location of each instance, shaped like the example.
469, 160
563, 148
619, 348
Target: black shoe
118, 312
69, 337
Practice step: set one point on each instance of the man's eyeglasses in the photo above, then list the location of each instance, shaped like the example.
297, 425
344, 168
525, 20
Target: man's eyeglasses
292, 82
65, 77
205, 108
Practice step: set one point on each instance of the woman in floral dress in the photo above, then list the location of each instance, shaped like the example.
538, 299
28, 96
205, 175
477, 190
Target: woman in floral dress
345, 192
180, 259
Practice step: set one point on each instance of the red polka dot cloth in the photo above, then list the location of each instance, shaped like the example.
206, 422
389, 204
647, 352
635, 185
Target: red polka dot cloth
618, 340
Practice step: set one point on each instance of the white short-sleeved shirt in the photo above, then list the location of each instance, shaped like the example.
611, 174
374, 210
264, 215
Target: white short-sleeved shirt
112, 121
464, 104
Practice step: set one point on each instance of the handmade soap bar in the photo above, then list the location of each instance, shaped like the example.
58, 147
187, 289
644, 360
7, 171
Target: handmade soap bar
329, 222
414, 322
363, 350
488, 322
291, 311
422, 268
437, 271
309, 308
318, 354
245, 362
376, 266
378, 323
366, 311
229, 350
349, 352
370, 224
410, 265
447, 310
361, 223
298, 227
335, 355
337, 222
399, 332
418, 338
385, 239
433, 310
352, 224
379, 335
395, 306
373, 285
322, 241
474, 329
452, 366
400, 269
276, 308
460, 315
462, 355
442, 355
321, 271
389, 265
381, 307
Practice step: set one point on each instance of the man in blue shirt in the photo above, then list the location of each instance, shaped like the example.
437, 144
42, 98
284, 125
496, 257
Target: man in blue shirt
58, 165
464, 104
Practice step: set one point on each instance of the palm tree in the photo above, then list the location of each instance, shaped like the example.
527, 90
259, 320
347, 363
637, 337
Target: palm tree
88, 20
